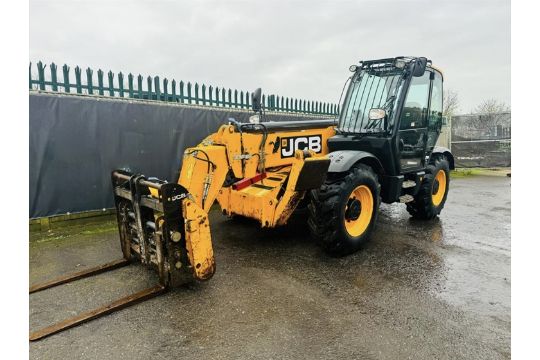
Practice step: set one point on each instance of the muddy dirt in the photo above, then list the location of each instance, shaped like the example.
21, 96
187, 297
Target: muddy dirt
419, 290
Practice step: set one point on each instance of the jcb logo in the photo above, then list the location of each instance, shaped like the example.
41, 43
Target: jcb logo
178, 197
290, 144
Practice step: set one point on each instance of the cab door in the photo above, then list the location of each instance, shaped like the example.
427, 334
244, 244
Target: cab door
413, 133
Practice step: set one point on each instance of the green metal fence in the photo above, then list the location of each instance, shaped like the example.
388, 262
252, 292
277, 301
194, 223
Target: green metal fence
153, 88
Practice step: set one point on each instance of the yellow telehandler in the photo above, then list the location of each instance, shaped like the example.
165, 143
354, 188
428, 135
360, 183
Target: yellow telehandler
382, 148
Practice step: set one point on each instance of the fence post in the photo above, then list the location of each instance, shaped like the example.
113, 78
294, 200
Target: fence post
157, 89
189, 92
139, 86
149, 84
182, 91
223, 97
89, 81
229, 92
197, 93
65, 71
165, 90
30, 76
100, 81
247, 99
78, 82
173, 91
54, 80
210, 89
217, 96
121, 84
203, 90
41, 75
111, 83
130, 85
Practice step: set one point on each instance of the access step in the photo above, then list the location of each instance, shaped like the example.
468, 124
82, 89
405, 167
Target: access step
407, 184
406, 198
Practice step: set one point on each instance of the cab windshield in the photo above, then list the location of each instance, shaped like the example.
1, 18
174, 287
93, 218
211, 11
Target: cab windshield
372, 87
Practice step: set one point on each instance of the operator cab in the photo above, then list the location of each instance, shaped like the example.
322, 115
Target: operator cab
393, 110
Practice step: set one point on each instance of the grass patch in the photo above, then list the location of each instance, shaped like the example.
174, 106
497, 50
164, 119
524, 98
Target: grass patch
461, 173
465, 172
73, 231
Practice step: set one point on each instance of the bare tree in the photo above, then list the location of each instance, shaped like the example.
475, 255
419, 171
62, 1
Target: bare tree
491, 113
491, 106
451, 103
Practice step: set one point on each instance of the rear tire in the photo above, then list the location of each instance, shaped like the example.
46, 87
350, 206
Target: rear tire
430, 200
343, 212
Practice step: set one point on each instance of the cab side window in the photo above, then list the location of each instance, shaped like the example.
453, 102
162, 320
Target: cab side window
414, 113
436, 108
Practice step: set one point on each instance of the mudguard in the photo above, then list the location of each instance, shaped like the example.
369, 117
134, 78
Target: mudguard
446, 152
343, 160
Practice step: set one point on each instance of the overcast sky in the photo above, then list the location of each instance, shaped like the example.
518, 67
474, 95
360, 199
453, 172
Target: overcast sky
296, 48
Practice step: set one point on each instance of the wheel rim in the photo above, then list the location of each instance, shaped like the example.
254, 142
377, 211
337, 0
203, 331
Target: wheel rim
356, 225
439, 188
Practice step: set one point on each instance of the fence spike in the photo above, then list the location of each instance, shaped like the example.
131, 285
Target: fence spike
189, 91
203, 91
100, 82
174, 97
30, 75
217, 96
197, 93
165, 90
223, 97
89, 81
210, 89
241, 99
229, 93
78, 82
41, 75
140, 86
121, 84
110, 74
54, 80
65, 72
130, 85
157, 88
150, 95
181, 91
247, 99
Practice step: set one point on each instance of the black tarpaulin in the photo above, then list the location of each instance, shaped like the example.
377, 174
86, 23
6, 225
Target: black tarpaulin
76, 141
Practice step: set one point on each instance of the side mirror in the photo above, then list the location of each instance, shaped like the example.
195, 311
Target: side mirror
419, 67
376, 114
256, 100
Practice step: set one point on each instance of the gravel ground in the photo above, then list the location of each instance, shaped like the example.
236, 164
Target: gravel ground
419, 290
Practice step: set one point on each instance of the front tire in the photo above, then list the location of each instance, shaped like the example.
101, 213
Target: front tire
343, 212
431, 197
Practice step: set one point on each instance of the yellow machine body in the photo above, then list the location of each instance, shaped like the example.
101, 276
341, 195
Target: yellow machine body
261, 174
